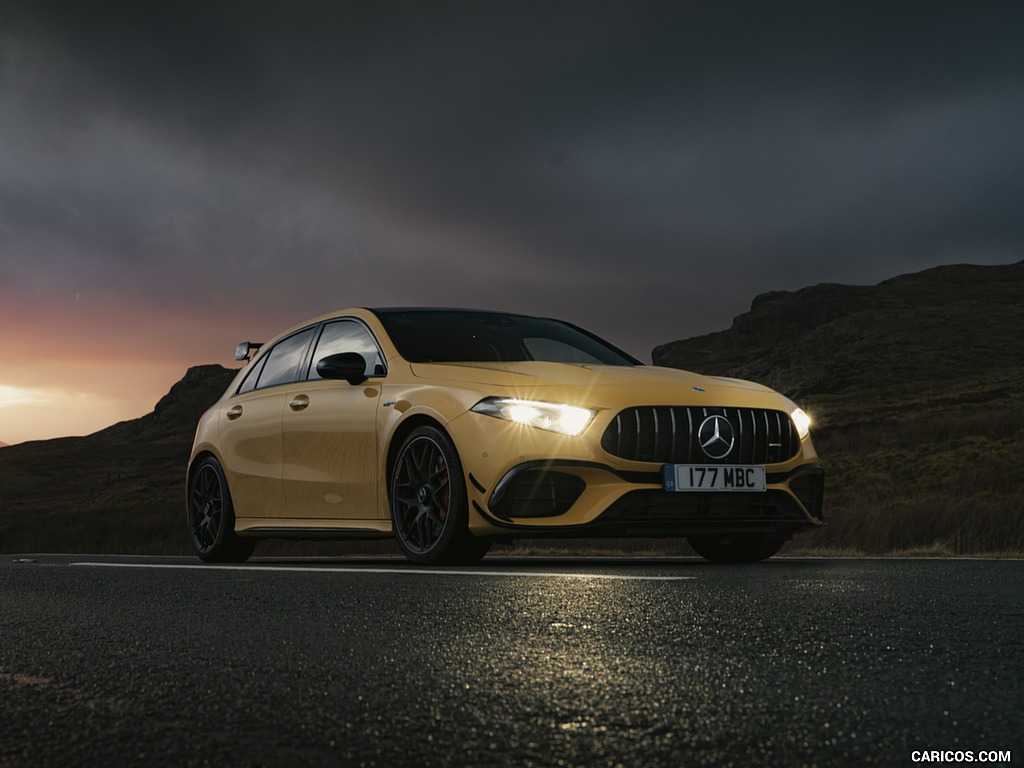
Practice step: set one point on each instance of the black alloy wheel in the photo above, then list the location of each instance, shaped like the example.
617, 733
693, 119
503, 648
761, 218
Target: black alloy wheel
736, 547
429, 507
211, 516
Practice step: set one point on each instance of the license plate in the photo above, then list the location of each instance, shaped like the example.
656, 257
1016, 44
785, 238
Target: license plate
713, 477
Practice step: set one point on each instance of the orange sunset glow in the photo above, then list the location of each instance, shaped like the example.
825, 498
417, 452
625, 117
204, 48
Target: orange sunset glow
73, 365
78, 369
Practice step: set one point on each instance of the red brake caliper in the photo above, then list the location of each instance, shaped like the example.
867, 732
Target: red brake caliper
446, 496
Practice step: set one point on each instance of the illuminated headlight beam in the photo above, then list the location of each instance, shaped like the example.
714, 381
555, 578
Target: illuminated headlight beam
802, 422
555, 417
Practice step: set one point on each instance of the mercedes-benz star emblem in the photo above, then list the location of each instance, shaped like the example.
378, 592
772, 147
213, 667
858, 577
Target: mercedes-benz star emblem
716, 437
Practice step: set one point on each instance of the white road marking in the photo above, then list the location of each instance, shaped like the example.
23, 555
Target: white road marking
423, 571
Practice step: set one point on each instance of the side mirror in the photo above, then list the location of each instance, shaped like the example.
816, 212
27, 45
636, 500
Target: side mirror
350, 366
246, 350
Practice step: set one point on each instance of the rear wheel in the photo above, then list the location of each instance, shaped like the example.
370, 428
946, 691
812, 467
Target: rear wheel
429, 505
211, 517
736, 548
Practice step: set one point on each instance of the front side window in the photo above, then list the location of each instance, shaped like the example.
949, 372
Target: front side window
348, 336
283, 360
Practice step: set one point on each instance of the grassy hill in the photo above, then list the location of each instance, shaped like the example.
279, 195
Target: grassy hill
914, 385
118, 490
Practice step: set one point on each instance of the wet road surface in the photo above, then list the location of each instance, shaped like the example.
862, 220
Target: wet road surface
525, 662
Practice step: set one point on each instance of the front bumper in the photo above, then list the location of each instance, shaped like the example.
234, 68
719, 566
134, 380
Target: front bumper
572, 498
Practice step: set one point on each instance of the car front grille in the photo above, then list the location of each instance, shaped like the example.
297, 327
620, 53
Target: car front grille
670, 434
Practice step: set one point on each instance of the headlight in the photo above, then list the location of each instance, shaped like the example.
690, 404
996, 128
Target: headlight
802, 422
564, 419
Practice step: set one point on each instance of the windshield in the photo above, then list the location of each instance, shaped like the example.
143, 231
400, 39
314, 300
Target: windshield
464, 336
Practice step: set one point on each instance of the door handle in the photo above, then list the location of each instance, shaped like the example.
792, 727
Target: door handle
300, 402
234, 412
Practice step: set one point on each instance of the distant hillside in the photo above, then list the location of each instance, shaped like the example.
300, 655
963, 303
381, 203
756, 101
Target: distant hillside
957, 327
118, 490
914, 385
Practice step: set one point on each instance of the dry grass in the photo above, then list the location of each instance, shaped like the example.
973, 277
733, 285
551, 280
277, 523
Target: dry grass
950, 486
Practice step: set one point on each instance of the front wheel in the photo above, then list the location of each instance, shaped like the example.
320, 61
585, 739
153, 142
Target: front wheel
429, 505
736, 548
211, 516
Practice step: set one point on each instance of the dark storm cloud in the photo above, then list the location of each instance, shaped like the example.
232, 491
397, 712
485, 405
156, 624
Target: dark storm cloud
663, 162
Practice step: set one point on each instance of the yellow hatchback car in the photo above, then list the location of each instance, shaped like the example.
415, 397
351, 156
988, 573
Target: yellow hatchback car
450, 429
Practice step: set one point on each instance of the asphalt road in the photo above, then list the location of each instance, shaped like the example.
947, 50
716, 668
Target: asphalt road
557, 662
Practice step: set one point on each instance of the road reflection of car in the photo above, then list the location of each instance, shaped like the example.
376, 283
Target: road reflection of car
452, 429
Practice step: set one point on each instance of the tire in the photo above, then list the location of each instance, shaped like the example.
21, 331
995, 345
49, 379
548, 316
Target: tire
736, 548
211, 517
429, 504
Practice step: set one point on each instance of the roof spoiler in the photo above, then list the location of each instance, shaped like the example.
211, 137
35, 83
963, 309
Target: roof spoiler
247, 349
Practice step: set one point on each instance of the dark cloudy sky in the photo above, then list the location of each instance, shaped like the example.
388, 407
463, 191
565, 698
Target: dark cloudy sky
177, 177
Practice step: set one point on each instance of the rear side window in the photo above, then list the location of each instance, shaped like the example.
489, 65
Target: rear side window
252, 377
348, 336
283, 360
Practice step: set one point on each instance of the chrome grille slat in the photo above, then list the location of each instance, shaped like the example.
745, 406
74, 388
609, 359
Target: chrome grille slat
651, 431
672, 414
636, 436
689, 440
668, 434
740, 437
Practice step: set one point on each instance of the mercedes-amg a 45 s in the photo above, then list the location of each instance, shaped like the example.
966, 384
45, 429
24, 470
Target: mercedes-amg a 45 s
450, 429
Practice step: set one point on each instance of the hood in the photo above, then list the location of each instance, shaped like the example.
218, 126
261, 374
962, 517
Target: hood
601, 385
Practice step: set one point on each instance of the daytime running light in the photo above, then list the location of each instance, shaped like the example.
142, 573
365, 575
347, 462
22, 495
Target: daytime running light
802, 422
553, 417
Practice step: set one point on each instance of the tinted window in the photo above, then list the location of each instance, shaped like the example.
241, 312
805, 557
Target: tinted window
283, 360
348, 336
454, 336
250, 378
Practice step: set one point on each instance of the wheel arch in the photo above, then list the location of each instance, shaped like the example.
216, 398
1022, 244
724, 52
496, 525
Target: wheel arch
398, 437
196, 460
